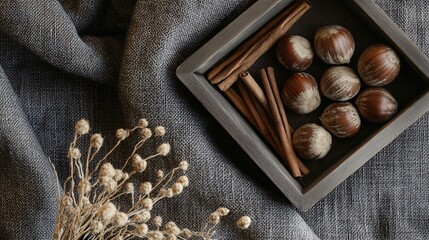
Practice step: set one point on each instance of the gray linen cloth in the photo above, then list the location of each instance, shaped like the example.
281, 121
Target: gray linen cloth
113, 62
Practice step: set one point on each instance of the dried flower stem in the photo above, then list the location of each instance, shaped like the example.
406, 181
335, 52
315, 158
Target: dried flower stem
89, 210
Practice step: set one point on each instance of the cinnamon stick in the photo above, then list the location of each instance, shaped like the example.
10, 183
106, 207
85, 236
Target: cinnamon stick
240, 105
263, 45
273, 84
291, 158
256, 115
256, 91
254, 88
251, 41
276, 144
275, 89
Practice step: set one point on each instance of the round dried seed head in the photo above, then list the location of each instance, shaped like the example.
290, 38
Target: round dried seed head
107, 211
183, 165
107, 170
163, 149
147, 203
120, 219
96, 227
82, 127
146, 188
244, 222
145, 133
184, 180
143, 123
223, 211
96, 140
141, 230
214, 218
159, 131
129, 188
177, 188
121, 134
157, 221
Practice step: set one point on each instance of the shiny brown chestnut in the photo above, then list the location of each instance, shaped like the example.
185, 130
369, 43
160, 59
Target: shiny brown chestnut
376, 105
300, 93
378, 65
312, 141
341, 119
295, 53
340, 83
334, 44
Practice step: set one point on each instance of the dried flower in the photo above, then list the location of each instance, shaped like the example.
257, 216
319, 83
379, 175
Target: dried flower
81, 127
184, 165
129, 188
118, 175
157, 221
223, 211
120, 219
177, 188
74, 153
143, 216
156, 235
145, 133
96, 227
141, 230
139, 165
163, 149
244, 222
159, 175
147, 203
146, 188
186, 233
183, 180
159, 131
172, 228
122, 134
143, 123
171, 237
169, 193
107, 211
108, 183
96, 141
84, 186
87, 210
107, 170
214, 218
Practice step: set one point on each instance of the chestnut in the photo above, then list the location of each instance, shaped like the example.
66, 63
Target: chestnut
295, 53
300, 93
341, 119
311, 141
340, 83
378, 65
334, 44
376, 105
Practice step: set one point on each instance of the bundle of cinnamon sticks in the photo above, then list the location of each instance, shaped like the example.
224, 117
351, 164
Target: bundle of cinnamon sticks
262, 108
227, 72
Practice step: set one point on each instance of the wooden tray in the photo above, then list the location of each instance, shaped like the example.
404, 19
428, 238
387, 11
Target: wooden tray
368, 24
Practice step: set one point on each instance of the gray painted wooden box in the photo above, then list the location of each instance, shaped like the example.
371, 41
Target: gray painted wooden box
368, 24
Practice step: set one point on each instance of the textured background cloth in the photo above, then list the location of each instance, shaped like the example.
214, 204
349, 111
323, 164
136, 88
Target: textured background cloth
113, 62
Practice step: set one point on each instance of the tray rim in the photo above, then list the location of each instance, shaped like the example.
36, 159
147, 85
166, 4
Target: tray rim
190, 72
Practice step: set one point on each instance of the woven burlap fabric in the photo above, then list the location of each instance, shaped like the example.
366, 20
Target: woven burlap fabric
113, 62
